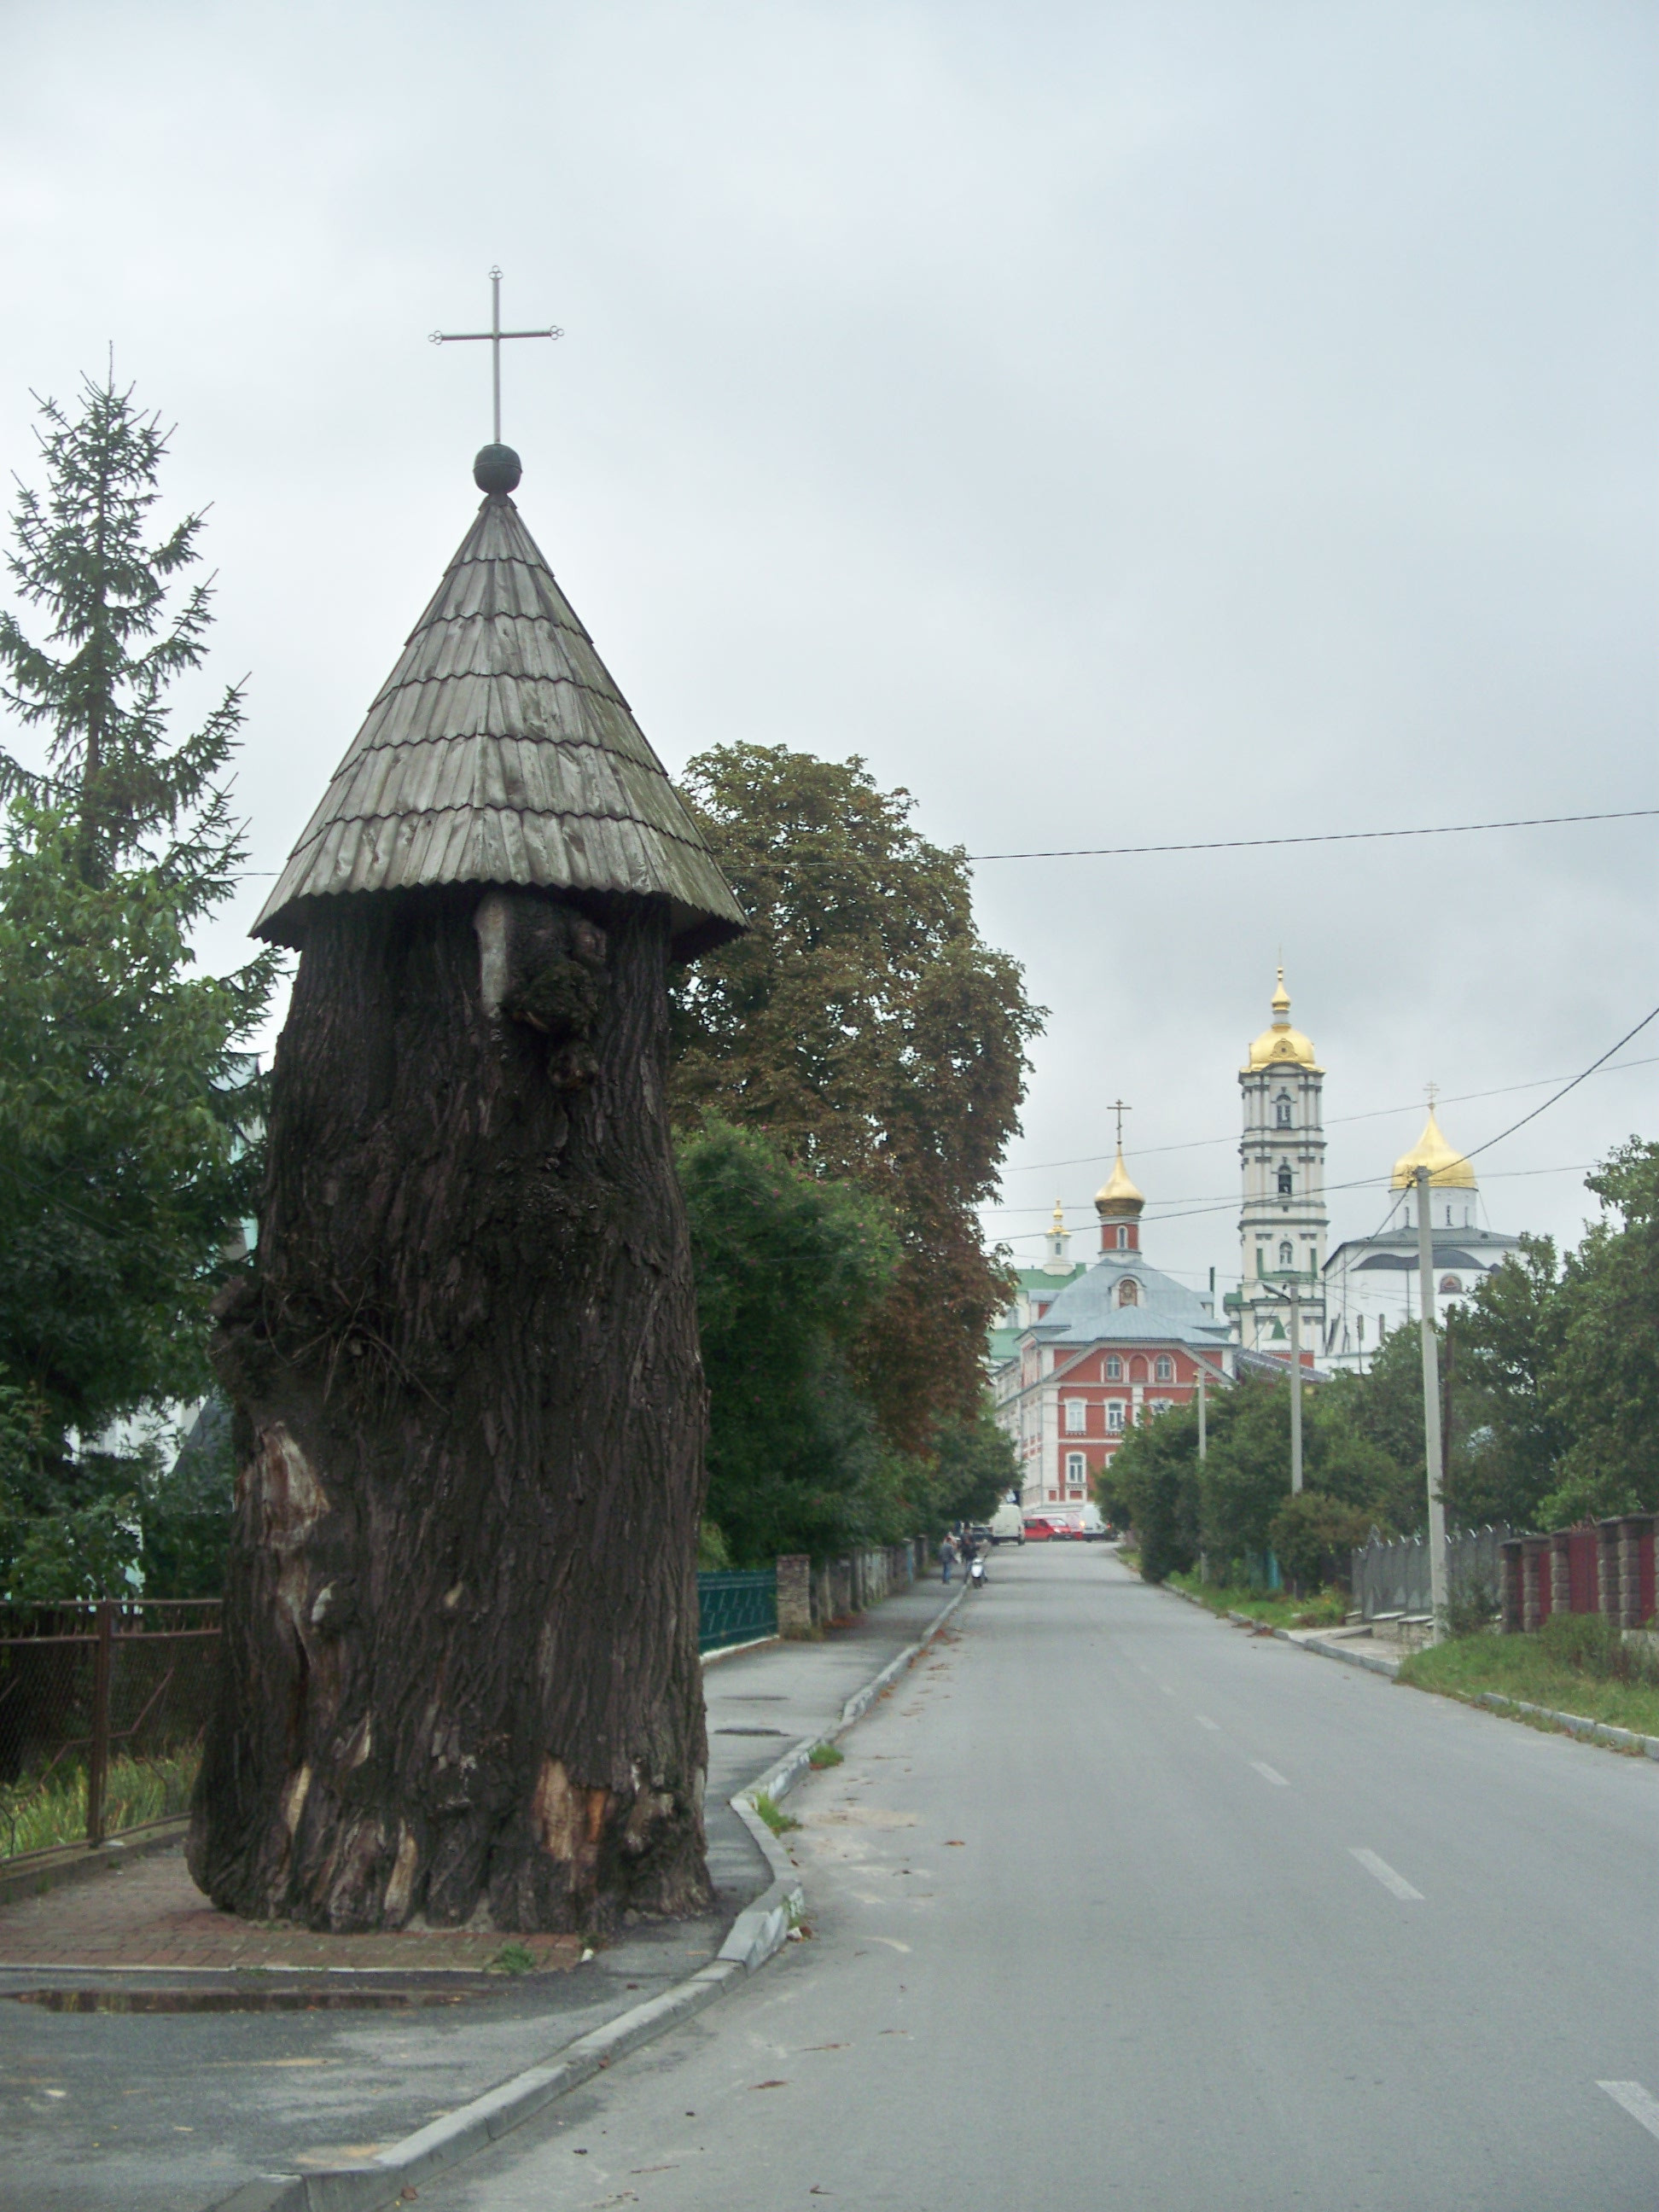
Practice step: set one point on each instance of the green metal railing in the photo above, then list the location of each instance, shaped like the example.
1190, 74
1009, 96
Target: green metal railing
736, 1608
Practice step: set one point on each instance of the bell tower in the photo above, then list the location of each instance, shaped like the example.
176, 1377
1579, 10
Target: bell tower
1282, 1221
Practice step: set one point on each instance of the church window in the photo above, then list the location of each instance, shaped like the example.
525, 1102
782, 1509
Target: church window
1137, 1369
1122, 1238
1165, 1368
1128, 1291
1449, 1283
1287, 1256
1284, 1179
1282, 1112
1077, 1416
1114, 1368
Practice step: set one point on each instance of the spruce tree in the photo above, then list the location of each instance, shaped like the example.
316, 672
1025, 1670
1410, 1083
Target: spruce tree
125, 1099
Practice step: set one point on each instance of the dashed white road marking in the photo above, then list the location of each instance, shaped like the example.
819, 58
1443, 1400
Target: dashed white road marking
1642, 2108
1204, 1721
1395, 1883
1269, 1773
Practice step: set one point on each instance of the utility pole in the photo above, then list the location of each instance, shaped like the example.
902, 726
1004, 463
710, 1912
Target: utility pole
1431, 1452
1295, 1386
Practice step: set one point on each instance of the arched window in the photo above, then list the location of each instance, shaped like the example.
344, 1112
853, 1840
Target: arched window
1450, 1284
1284, 1178
1165, 1368
1114, 1368
1282, 1111
1137, 1369
1128, 1291
1287, 1256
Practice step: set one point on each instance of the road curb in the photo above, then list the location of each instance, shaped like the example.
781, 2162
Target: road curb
1372, 1661
757, 1934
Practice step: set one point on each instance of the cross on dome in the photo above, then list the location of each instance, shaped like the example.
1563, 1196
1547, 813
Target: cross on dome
496, 462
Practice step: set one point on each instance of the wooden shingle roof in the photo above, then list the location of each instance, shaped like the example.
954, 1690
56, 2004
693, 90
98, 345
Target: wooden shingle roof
499, 752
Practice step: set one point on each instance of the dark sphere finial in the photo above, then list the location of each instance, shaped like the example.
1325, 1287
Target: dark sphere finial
497, 469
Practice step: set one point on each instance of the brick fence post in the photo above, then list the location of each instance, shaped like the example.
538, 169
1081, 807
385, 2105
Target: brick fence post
1514, 1597
1560, 1574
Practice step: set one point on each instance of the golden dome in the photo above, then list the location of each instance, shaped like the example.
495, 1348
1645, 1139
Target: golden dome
1281, 1046
1059, 1219
1448, 1170
1117, 1199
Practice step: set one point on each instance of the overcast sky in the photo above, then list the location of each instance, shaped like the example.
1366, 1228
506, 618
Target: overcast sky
1122, 424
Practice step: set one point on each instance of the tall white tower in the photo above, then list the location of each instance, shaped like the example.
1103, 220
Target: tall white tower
1281, 1228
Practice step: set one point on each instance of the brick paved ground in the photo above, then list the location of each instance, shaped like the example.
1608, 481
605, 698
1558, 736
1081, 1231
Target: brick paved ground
151, 1914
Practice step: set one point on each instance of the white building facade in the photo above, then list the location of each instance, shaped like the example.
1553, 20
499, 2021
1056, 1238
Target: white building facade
1283, 1221
1370, 1284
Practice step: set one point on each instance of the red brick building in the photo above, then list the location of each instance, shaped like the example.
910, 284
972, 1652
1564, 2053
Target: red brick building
1110, 1349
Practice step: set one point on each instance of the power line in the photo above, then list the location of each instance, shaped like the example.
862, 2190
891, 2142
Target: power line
1320, 838
1337, 1120
1565, 1087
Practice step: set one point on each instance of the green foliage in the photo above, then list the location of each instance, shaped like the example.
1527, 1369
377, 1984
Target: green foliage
824, 1755
128, 1116
1312, 1535
1236, 1504
185, 1510
1152, 1486
1604, 1385
787, 1267
866, 1028
1560, 1364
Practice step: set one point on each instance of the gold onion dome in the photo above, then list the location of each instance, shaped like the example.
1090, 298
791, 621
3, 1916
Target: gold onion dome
1448, 1170
1117, 1199
1281, 1046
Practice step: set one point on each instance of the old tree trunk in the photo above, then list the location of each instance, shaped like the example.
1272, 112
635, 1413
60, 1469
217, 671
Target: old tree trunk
460, 1666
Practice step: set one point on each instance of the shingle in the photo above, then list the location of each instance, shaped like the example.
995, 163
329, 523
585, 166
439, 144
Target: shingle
500, 751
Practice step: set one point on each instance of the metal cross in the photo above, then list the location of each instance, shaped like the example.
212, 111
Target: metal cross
1118, 1107
494, 335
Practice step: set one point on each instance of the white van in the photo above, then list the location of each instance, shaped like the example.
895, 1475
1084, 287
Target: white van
1007, 1524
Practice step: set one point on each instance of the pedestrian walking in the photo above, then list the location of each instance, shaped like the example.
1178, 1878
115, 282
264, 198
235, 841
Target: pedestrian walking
947, 1553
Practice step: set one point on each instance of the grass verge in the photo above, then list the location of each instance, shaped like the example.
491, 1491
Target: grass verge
824, 1755
1528, 1667
37, 1817
1329, 1610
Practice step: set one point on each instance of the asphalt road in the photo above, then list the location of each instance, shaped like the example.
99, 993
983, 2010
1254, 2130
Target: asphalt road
1115, 1906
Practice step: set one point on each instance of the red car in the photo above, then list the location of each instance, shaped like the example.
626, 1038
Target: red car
1038, 1532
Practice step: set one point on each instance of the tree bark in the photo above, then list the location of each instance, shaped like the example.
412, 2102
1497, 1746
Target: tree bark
460, 1675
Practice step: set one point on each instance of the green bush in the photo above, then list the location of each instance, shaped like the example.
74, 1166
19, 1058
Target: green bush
1592, 1646
1312, 1536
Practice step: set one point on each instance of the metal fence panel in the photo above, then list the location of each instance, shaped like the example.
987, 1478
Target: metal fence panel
1392, 1576
735, 1607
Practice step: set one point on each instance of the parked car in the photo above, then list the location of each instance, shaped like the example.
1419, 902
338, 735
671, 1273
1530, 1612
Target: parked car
1038, 1531
1007, 1525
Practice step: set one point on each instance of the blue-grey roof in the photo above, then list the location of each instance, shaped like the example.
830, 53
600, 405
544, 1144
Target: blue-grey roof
1087, 1310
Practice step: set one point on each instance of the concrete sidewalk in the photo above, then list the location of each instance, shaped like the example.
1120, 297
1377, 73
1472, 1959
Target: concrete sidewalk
211, 2052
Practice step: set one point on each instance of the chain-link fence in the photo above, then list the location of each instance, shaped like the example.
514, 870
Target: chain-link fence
102, 1711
